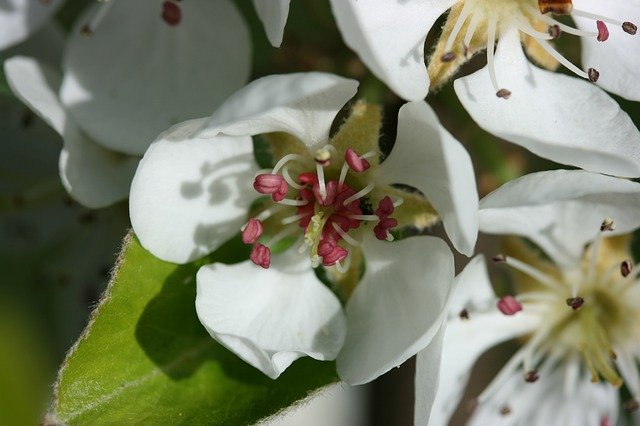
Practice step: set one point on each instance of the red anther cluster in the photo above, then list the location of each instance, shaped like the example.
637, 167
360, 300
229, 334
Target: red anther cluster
384, 210
603, 31
508, 305
340, 213
271, 184
355, 162
261, 255
171, 13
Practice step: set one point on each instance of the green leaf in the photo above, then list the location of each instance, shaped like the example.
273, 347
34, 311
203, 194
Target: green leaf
145, 358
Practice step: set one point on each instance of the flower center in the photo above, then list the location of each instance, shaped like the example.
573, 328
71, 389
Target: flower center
328, 204
592, 314
532, 18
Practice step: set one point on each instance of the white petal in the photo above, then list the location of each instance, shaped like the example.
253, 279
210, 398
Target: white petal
398, 306
544, 403
562, 118
189, 194
617, 59
389, 37
273, 14
36, 84
335, 405
20, 18
302, 104
270, 317
94, 176
426, 157
427, 378
472, 288
137, 76
561, 210
466, 340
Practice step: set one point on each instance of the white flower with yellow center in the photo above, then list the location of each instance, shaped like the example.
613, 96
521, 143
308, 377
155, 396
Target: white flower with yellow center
131, 69
577, 312
330, 208
565, 119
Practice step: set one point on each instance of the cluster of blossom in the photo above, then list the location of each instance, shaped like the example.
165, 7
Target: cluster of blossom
331, 202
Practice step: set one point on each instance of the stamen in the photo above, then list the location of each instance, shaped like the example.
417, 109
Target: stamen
527, 29
89, 28
566, 28
503, 376
261, 255
295, 203
471, 29
287, 177
252, 231
626, 267
364, 191
596, 17
593, 75
629, 28
564, 61
464, 314
342, 268
529, 270
603, 31
294, 218
464, 14
575, 302
398, 202
607, 225
367, 217
531, 376
284, 160
491, 40
508, 305
348, 238
343, 175
321, 183
355, 162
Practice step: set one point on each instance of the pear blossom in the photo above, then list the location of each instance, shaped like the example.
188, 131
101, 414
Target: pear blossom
325, 205
129, 71
568, 120
21, 18
576, 312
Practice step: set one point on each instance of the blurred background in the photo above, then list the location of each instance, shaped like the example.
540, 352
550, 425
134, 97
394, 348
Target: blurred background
46, 295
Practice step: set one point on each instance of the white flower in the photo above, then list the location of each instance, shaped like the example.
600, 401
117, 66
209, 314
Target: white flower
577, 314
568, 120
21, 18
195, 187
130, 70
